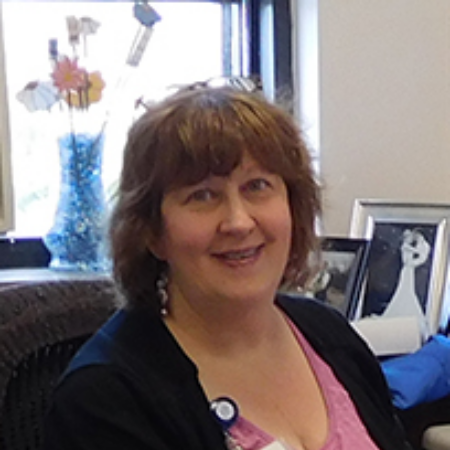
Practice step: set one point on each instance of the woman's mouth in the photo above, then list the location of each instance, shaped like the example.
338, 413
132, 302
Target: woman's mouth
243, 255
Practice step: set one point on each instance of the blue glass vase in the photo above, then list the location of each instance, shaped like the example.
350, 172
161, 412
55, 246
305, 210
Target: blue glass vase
77, 239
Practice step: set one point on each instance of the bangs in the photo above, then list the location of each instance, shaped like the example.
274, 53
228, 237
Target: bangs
195, 156
213, 139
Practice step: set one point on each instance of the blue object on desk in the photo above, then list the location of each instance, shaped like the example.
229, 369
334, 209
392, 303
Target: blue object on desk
422, 376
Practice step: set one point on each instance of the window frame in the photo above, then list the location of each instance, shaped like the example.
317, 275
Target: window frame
279, 65
6, 187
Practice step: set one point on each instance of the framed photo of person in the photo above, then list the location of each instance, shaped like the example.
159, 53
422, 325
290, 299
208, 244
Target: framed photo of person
339, 277
407, 262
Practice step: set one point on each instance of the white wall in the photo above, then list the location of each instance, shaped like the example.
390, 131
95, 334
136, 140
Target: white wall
384, 102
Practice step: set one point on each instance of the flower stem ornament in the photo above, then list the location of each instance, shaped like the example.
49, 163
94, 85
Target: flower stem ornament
67, 75
38, 95
147, 17
90, 92
71, 84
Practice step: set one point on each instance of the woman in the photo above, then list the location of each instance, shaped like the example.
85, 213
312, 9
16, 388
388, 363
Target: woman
216, 209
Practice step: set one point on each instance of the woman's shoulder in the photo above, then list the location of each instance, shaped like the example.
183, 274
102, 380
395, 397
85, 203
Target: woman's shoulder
305, 309
321, 324
137, 343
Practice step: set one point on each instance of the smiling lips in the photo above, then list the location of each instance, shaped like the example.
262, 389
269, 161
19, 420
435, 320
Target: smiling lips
240, 255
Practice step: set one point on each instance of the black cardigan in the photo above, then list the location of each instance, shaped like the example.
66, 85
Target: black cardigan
132, 387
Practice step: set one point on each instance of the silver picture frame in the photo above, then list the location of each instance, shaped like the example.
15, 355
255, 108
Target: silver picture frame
408, 260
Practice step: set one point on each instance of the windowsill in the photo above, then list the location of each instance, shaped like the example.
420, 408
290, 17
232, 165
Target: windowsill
27, 275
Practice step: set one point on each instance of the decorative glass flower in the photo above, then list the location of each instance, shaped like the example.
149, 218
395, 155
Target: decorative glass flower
67, 75
89, 92
38, 95
73, 84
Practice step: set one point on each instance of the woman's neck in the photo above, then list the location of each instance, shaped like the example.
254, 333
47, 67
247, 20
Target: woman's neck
228, 329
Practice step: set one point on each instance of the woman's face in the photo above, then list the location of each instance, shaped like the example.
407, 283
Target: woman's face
227, 238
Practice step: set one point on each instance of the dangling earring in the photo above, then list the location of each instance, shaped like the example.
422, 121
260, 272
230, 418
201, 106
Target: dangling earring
161, 290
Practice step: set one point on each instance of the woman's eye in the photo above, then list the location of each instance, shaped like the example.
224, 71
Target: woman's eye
201, 195
258, 185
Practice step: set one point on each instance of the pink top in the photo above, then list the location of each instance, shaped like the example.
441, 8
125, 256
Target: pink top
345, 427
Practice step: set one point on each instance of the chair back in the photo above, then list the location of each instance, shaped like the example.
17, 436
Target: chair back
42, 325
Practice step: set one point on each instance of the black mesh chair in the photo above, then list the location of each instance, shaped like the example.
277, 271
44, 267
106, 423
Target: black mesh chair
41, 327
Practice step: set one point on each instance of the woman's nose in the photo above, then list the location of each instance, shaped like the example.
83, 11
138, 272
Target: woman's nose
237, 217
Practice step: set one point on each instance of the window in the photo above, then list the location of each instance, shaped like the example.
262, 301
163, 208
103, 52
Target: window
192, 41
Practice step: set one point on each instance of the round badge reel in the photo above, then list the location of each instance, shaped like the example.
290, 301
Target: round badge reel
225, 411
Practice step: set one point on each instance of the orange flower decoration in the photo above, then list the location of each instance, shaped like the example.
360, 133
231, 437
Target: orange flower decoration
67, 75
90, 93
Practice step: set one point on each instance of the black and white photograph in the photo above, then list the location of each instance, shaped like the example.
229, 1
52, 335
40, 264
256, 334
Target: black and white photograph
337, 281
400, 263
407, 263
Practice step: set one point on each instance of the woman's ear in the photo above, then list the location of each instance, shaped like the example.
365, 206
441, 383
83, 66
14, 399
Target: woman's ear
155, 245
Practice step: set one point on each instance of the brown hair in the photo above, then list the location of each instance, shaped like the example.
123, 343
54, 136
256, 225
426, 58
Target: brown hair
182, 140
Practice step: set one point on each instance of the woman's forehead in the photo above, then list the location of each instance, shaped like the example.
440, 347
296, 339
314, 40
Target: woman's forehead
246, 164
